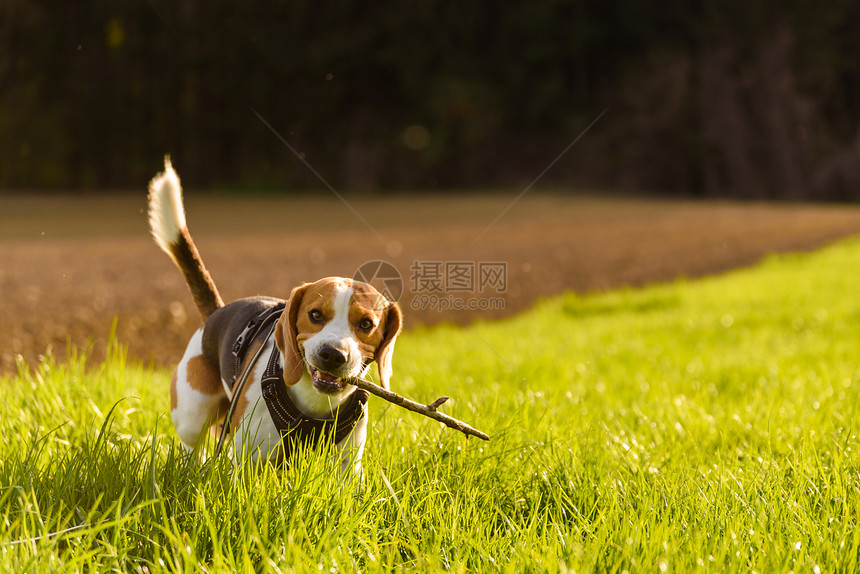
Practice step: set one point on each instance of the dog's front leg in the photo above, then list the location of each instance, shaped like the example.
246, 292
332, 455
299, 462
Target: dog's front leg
349, 452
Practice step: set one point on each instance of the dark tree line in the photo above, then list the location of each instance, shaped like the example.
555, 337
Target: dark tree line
705, 98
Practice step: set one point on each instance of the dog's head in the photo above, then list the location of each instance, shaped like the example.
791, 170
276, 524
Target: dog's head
333, 329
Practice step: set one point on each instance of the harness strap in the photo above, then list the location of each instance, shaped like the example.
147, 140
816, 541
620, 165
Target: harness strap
250, 332
295, 427
240, 346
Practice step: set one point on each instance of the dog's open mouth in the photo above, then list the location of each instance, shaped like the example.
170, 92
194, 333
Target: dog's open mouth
326, 383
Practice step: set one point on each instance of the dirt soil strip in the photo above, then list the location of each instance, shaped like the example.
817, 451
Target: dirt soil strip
70, 264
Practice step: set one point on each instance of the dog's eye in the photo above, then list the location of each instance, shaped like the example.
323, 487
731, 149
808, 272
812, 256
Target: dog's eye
365, 324
316, 316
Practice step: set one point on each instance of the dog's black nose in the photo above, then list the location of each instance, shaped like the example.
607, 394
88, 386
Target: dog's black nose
330, 358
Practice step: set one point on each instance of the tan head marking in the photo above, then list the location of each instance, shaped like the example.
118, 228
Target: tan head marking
387, 320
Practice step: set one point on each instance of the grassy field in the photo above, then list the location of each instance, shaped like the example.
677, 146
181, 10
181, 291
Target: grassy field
697, 426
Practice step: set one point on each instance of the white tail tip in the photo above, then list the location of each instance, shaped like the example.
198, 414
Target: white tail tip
166, 213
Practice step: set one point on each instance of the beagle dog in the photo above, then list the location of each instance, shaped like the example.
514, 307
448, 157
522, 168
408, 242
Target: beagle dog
272, 370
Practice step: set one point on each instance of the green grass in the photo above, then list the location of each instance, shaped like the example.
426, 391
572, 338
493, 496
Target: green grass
697, 426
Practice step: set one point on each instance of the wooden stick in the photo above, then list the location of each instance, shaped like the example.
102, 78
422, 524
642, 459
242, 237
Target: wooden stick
426, 410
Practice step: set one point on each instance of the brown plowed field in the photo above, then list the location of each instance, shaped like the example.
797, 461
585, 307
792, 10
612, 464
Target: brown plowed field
70, 264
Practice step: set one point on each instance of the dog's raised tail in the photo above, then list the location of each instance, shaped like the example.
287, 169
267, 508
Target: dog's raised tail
167, 223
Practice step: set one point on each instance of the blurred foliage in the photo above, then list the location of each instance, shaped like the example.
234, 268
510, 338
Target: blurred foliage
707, 98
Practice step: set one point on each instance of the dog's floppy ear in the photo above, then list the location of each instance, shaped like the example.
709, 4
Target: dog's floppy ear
285, 336
385, 350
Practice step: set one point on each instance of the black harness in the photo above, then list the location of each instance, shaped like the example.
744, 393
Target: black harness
296, 429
